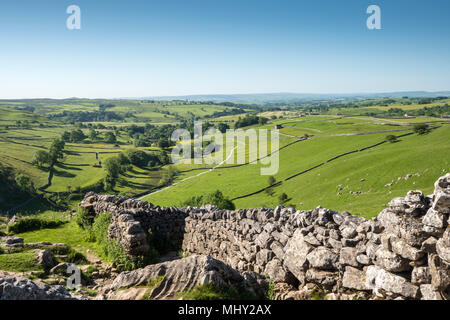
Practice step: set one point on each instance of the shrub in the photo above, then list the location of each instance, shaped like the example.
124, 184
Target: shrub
271, 180
32, 224
76, 257
84, 219
216, 198
210, 292
271, 291
137, 157
167, 176
283, 198
391, 138
421, 128
72, 256
2, 251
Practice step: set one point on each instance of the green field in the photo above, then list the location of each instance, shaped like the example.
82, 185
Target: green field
378, 167
335, 185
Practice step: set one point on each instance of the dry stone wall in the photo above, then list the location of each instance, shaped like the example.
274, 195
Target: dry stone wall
404, 253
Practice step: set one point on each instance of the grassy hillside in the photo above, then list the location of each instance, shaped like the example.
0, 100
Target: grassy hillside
331, 185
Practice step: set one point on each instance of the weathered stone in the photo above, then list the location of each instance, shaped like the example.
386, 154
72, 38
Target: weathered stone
421, 275
378, 278
185, 274
354, 279
45, 259
363, 259
429, 293
434, 218
443, 246
274, 269
429, 245
263, 256
440, 273
405, 250
349, 232
391, 261
296, 252
264, 240
323, 278
311, 239
23, 289
9, 240
323, 259
347, 257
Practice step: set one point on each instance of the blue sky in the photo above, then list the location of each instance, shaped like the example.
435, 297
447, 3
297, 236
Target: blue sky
178, 47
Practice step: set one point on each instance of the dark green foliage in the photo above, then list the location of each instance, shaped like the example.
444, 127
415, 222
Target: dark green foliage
25, 183
10, 192
72, 256
391, 138
249, 120
110, 137
421, 128
137, 157
2, 251
56, 151
30, 224
41, 158
164, 143
111, 249
283, 198
84, 219
210, 292
216, 198
76, 257
167, 176
223, 127
88, 116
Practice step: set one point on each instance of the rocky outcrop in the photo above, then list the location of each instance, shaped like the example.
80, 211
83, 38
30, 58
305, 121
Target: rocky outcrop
23, 289
401, 254
166, 280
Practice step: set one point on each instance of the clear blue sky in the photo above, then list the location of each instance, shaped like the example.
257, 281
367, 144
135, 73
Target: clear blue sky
177, 47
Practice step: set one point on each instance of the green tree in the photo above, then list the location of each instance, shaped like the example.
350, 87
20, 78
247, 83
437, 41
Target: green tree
163, 143
66, 136
223, 127
56, 151
110, 137
391, 138
41, 158
25, 183
271, 180
113, 167
93, 135
77, 136
421, 128
216, 198
167, 176
283, 198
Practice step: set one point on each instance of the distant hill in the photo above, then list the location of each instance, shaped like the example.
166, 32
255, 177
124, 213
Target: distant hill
295, 97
